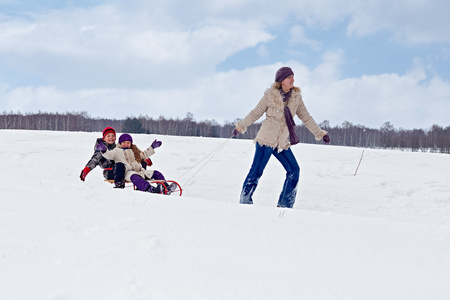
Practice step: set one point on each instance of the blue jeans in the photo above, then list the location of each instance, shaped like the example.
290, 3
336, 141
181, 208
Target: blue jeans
260, 160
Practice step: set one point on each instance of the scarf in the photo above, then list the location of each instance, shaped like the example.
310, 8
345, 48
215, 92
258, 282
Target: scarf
289, 119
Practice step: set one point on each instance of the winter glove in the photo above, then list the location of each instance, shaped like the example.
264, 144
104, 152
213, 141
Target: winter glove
149, 162
100, 147
84, 173
326, 139
156, 144
235, 132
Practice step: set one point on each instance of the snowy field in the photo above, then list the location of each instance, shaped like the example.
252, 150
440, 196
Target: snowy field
382, 234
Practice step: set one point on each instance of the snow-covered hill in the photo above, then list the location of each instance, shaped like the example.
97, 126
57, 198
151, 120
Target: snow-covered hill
382, 234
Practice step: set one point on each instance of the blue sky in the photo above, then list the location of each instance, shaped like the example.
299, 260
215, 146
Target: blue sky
366, 62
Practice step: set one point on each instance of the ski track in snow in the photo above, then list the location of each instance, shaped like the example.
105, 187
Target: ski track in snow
382, 234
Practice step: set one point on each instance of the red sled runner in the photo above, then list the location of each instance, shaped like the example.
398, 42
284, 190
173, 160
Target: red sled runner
166, 184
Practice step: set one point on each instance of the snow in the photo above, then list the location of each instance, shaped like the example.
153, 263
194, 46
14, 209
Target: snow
382, 234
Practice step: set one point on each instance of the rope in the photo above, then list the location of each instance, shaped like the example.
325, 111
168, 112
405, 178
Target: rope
210, 155
359, 162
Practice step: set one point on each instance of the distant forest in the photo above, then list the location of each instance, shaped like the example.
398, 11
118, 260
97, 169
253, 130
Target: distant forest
435, 139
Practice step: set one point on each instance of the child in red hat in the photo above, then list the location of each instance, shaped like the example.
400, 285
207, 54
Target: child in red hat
111, 170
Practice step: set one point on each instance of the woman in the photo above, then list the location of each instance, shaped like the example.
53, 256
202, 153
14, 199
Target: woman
277, 134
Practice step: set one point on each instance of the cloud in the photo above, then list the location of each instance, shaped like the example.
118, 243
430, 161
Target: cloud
410, 100
134, 43
410, 21
262, 51
298, 37
134, 57
102, 46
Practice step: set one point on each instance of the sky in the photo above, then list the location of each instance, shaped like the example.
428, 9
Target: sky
365, 62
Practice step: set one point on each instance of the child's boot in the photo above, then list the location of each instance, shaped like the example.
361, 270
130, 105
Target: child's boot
158, 189
171, 187
119, 185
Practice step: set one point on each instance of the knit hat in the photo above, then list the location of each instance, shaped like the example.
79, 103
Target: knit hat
125, 137
283, 73
108, 130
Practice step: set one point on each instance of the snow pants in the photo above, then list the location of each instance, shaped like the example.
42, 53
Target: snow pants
260, 160
117, 172
142, 184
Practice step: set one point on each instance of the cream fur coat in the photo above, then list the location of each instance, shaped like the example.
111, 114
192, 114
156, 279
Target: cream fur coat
274, 131
127, 157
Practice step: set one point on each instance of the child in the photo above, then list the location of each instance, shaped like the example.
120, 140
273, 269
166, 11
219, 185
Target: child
130, 156
111, 170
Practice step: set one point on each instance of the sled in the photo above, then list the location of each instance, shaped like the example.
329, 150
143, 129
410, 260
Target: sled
178, 190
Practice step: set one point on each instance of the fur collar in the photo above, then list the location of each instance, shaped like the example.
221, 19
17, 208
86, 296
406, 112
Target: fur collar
277, 100
136, 151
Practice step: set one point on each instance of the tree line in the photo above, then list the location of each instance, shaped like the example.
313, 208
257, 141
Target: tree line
434, 139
